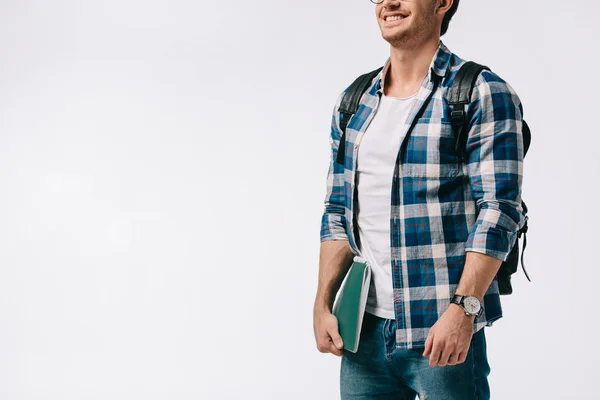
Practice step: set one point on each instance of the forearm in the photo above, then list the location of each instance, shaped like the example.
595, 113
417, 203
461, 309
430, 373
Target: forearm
478, 272
335, 259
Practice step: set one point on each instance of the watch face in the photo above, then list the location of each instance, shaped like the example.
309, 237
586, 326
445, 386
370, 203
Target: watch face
471, 304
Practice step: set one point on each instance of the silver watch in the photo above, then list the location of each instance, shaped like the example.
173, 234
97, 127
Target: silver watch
471, 304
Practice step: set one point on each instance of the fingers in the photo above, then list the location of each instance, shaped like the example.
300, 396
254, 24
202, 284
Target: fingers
436, 352
453, 360
461, 356
336, 344
440, 353
326, 345
334, 334
449, 356
335, 350
328, 336
445, 356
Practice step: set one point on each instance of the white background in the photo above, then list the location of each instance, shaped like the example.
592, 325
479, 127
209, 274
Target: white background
162, 176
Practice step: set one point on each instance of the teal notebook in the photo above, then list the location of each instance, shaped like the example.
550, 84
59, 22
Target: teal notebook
350, 303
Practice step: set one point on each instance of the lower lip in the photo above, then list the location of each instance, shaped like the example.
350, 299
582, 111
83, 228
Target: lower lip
394, 23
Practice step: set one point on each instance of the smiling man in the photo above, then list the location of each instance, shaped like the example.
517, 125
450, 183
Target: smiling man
433, 226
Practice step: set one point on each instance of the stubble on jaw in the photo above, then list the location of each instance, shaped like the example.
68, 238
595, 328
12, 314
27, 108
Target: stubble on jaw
418, 30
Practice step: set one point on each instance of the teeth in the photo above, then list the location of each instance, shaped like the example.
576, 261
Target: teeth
394, 18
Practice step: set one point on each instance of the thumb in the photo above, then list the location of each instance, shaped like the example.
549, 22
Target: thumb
335, 336
428, 343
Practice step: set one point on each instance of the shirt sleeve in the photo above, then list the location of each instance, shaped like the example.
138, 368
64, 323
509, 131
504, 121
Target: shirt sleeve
494, 158
333, 221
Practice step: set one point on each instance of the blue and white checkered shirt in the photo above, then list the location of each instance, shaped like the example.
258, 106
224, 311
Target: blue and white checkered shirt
440, 207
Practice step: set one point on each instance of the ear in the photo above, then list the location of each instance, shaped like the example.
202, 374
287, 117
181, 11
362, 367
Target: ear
443, 6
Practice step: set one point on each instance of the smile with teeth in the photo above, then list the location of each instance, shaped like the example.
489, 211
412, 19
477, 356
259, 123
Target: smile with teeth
394, 18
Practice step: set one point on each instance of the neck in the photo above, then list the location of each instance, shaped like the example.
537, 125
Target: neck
408, 67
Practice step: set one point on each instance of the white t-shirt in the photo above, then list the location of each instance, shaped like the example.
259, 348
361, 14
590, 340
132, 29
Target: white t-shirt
377, 153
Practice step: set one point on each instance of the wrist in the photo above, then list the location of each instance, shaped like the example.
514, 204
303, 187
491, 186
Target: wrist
461, 311
322, 307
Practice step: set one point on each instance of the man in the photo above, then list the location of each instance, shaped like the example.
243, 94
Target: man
429, 224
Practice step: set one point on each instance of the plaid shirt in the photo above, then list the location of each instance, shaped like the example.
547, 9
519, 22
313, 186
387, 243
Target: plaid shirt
440, 207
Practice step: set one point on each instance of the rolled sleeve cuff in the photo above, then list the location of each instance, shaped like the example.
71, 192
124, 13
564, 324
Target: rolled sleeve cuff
494, 234
333, 227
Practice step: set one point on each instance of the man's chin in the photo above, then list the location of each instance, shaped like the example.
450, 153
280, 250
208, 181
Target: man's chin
394, 37
392, 32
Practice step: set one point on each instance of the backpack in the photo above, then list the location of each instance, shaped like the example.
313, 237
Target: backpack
459, 94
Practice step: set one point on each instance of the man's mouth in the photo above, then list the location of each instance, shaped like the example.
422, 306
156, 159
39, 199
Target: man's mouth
394, 16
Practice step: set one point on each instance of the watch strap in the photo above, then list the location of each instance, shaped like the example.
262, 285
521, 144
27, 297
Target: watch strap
457, 299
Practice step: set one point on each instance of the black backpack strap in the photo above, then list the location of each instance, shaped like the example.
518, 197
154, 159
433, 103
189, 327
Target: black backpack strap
524, 232
349, 105
460, 94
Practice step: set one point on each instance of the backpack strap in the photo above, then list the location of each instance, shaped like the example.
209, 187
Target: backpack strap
524, 232
460, 94
349, 105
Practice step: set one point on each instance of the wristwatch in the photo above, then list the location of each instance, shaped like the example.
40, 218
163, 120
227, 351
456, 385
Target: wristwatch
470, 304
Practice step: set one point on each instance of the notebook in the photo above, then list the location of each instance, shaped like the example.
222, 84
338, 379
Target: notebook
350, 302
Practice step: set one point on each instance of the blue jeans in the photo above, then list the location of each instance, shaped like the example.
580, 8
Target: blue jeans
379, 370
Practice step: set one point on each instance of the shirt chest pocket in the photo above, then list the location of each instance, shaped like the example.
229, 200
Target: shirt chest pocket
430, 150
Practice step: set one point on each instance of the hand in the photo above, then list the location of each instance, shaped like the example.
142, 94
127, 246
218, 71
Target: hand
327, 335
450, 337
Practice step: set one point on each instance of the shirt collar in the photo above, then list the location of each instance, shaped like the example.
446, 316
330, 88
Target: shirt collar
437, 68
